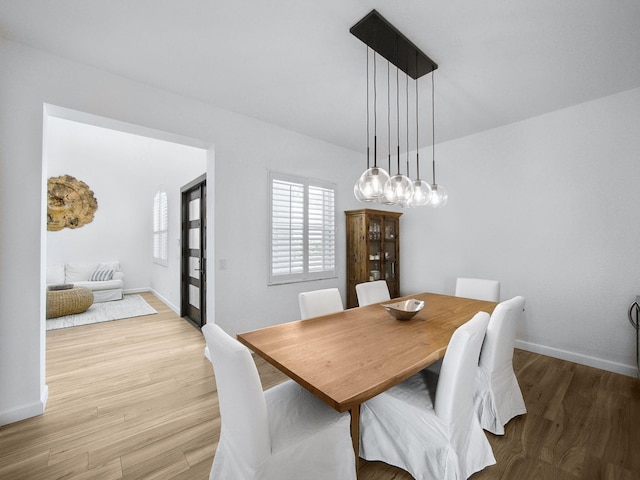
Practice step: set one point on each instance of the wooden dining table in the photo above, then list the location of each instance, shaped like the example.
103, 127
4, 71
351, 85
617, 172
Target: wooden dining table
348, 357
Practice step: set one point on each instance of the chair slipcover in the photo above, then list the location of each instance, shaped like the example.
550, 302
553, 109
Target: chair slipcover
478, 288
320, 302
284, 433
498, 397
372, 292
403, 427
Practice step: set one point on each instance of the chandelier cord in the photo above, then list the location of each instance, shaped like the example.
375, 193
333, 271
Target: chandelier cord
398, 108
398, 154
417, 129
389, 115
375, 114
407, 126
407, 101
433, 126
368, 161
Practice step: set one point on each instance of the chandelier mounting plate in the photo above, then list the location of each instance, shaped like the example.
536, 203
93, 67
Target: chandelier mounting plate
376, 32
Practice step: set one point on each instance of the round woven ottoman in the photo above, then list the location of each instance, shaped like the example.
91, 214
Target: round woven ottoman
68, 302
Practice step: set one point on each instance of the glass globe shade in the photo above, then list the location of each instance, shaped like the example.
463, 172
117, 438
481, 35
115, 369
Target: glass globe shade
421, 193
371, 184
439, 196
398, 189
358, 194
408, 203
386, 201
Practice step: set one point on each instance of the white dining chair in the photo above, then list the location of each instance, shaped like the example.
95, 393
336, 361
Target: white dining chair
498, 397
478, 288
372, 292
439, 439
320, 302
283, 433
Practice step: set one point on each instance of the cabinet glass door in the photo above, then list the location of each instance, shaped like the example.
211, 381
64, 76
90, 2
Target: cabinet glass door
375, 249
390, 238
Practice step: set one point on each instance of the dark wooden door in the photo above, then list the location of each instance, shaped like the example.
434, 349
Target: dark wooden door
194, 252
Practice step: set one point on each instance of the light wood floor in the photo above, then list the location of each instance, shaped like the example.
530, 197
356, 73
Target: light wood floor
135, 399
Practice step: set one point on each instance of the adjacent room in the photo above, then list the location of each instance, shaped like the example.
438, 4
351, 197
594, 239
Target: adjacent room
124, 173
417, 238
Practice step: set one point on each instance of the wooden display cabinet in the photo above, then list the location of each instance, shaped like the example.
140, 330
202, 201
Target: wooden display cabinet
373, 250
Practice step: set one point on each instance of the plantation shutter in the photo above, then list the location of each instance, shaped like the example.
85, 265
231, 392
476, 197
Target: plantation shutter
322, 232
287, 234
302, 232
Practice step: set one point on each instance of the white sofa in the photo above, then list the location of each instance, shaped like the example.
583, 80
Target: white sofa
107, 278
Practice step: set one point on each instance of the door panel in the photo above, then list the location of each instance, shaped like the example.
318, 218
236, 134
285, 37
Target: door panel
194, 252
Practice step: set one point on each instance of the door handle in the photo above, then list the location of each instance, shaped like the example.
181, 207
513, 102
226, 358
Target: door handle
203, 266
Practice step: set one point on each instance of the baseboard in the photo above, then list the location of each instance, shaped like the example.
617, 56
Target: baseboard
135, 290
166, 302
629, 370
25, 411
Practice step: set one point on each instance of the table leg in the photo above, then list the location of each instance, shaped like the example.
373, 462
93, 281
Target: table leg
355, 432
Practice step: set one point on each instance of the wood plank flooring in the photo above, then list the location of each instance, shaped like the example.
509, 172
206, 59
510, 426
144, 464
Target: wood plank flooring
135, 399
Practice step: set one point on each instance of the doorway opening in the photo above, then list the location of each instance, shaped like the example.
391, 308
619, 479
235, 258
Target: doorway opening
124, 165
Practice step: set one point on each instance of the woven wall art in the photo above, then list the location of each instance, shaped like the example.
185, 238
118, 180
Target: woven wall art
71, 203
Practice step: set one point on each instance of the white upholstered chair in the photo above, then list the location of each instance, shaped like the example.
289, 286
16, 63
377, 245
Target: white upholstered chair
372, 292
432, 440
498, 397
283, 433
320, 302
478, 288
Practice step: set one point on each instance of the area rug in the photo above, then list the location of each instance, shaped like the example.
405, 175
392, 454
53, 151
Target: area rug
129, 306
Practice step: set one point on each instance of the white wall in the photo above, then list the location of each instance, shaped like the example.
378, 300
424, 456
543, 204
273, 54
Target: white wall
244, 150
547, 206
124, 171
550, 207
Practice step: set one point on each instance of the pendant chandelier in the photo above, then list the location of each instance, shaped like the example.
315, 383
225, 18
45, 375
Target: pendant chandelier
376, 184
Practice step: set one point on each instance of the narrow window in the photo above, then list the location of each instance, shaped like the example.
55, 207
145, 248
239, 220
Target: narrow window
160, 228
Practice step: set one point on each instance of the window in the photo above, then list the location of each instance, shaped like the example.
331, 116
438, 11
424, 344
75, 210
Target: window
160, 228
302, 230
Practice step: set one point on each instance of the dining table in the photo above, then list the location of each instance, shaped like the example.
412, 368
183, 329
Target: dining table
348, 357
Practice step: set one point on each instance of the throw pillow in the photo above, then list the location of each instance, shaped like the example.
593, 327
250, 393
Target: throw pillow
101, 275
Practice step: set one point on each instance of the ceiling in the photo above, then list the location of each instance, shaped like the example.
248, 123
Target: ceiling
294, 63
